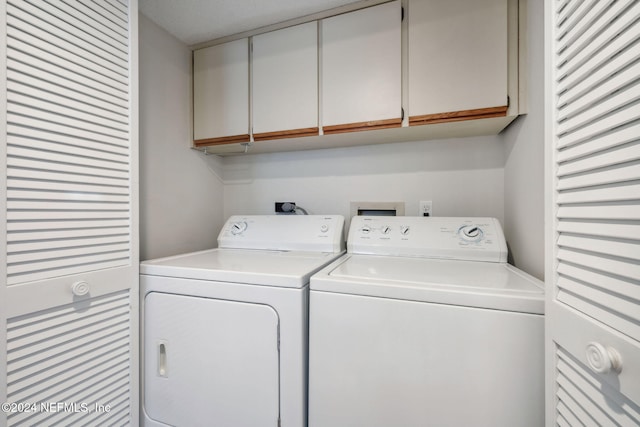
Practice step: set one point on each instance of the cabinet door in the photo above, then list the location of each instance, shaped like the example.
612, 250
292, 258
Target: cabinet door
285, 82
361, 69
457, 59
221, 93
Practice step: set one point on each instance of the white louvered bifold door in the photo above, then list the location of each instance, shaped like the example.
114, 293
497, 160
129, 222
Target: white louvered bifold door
69, 298
593, 269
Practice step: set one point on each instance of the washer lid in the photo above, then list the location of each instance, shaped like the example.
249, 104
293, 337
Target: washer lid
290, 269
467, 283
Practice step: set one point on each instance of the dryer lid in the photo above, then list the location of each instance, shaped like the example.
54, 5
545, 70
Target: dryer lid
291, 269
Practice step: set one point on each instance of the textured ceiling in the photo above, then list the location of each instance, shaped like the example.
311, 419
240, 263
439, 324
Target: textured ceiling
197, 21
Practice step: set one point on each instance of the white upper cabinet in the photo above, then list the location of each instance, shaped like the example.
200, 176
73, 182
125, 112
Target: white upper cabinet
361, 69
457, 58
221, 93
285, 82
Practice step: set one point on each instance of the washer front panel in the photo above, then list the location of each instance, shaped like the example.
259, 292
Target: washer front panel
380, 362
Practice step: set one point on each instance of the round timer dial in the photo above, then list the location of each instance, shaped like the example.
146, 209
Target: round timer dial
471, 233
238, 227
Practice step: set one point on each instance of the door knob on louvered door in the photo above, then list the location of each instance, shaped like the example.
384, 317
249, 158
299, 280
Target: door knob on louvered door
80, 288
603, 360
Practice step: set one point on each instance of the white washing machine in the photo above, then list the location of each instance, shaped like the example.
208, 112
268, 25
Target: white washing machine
225, 331
424, 324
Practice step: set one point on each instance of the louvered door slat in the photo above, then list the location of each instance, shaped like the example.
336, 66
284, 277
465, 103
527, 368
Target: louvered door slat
65, 36
621, 267
46, 112
72, 81
113, 18
621, 172
54, 18
42, 248
65, 234
597, 84
627, 115
68, 153
64, 225
603, 141
48, 157
565, 416
69, 147
57, 215
67, 187
15, 119
579, 59
96, 23
46, 166
67, 92
613, 230
39, 99
601, 279
600, 194
38, 40
621, 314
586, 11
626, 413
49, 359
616, 247
602, 159
600, 108
42, 140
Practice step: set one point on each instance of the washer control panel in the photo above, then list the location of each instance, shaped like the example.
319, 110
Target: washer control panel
318, 233
476, 239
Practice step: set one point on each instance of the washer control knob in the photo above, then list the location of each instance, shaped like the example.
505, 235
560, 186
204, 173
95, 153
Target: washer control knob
471, 233
80, 288
324, 228
365, 229
385, 229
404, 230
238, 227
603, 360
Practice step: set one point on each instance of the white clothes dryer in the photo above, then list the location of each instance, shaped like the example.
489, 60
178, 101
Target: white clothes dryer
423, 323
225, 331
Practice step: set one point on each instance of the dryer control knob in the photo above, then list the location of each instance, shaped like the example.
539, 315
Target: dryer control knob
365, 229
238, 227
404, 230
385, 229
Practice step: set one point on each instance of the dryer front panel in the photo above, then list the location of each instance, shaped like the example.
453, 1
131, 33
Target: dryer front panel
210, 362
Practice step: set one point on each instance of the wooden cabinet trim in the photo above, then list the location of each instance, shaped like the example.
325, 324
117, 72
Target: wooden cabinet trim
456, 116
293, 133
360, 126
231, 139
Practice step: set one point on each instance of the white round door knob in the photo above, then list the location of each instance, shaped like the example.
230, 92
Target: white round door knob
80, 288
603, 360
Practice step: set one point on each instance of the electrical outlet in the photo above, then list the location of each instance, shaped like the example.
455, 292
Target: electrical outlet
426, 208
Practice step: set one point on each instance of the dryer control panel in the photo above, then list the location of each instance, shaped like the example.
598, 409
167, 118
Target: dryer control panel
316, 233
472, 239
